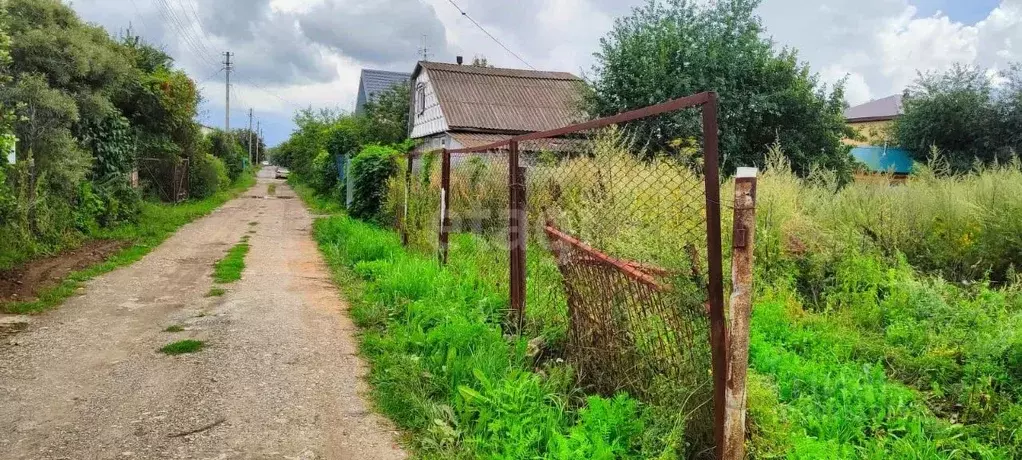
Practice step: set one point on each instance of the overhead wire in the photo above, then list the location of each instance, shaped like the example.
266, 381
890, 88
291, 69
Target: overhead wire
480, 27
171, 19
197, 23
272, 93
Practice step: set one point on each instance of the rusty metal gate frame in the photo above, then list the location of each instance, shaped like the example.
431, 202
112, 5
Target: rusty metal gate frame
517, 220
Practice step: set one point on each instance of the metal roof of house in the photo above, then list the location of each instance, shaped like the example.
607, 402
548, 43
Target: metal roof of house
503, 100
877, 110
373, 82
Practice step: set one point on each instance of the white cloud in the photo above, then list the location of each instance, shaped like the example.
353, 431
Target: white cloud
879, 45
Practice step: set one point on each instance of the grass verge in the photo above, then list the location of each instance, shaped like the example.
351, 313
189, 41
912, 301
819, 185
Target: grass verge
157, 223
444, 370
317, 203
183, 346
228, 269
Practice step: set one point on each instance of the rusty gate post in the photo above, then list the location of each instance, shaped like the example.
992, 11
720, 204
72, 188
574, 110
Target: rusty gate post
408, 187
715, 284
445, 196
739, 310
516, 232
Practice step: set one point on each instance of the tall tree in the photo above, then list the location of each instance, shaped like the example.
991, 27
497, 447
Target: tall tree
672, 48
387, 115
955, 112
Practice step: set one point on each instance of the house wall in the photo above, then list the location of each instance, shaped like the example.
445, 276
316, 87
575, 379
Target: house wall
872, 133
431, 121
360, 104
435, 142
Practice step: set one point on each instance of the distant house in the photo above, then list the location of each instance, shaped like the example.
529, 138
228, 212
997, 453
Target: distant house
874, 147
457, 106
872, 121
374, 82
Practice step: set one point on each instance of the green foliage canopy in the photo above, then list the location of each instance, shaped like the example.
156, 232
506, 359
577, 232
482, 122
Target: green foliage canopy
672, 48
961, 114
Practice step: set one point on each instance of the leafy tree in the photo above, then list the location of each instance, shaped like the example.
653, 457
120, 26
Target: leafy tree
308, 140
225, 147
386, 115
672, 48
480, 61
243, 135
954, 111
83, 106
1009, 109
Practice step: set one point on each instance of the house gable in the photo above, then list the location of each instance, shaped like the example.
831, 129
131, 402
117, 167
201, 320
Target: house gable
459, 98
427, 117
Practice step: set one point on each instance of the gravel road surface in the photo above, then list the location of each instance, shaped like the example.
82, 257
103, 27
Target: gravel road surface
279, 377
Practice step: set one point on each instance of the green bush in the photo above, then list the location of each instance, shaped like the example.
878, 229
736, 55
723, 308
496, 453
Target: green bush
225, 147
206, 176
324, 173
370, 171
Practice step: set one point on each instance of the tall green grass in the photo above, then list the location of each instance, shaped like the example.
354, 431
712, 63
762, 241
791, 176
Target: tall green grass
444, 368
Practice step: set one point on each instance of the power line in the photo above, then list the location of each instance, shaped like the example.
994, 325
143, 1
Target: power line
210, 77
260, 88
463, 13
195, 45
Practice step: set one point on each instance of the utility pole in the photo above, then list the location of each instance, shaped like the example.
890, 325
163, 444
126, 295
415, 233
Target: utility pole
250, 157
227, 112
259, 130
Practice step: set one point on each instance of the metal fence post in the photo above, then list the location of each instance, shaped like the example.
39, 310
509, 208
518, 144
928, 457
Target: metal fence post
715, 284
516, 234
445, 196
739, 311
408, 187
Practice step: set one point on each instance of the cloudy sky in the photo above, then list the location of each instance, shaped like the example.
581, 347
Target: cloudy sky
296, 53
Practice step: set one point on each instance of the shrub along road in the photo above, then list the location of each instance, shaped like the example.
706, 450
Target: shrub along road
277, 375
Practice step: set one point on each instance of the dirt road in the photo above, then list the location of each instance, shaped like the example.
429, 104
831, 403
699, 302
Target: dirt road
279, 377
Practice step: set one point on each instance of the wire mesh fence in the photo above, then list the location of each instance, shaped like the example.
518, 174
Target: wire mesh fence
632, 230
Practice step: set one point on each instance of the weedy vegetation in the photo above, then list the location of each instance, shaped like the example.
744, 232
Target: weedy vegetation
886, 324
216, 292
174, 328
183, 347
228, 269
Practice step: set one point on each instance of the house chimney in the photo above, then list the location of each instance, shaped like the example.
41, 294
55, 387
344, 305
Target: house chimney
460, 59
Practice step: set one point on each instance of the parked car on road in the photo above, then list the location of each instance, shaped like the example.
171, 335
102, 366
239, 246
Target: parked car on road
282, 173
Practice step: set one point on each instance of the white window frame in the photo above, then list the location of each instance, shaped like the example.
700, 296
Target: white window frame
420, 98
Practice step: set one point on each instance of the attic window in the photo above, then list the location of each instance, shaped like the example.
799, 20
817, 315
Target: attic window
420, 98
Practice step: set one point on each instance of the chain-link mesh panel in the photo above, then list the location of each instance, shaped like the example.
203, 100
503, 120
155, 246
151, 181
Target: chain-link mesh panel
478, 201
616, 235
422, 208
627, 227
